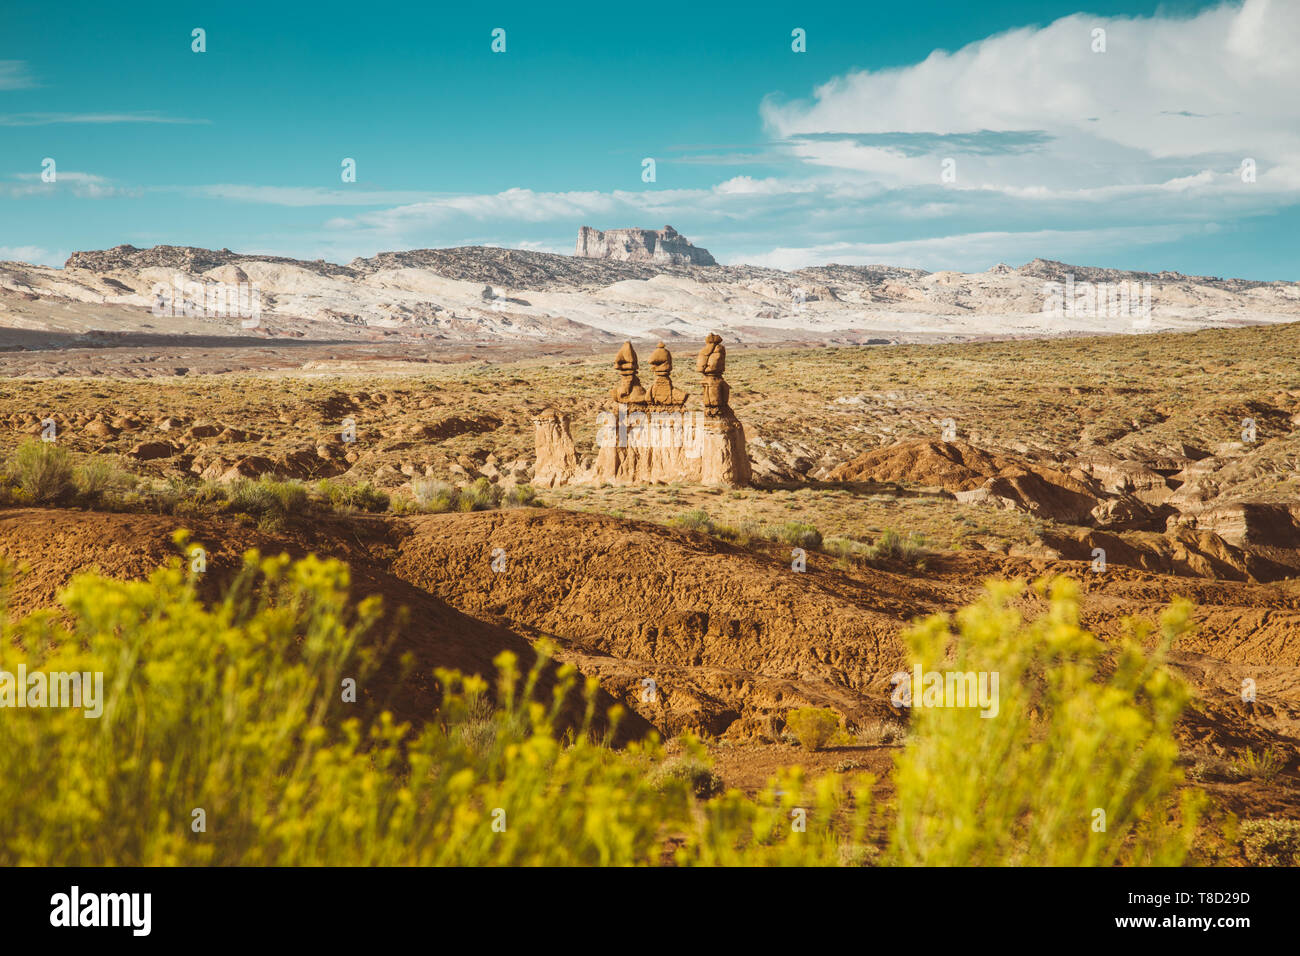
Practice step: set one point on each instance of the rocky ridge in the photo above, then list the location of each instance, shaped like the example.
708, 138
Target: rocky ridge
493, 295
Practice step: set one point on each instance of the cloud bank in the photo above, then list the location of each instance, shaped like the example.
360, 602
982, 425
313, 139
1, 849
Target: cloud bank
1083, 134
1085, 139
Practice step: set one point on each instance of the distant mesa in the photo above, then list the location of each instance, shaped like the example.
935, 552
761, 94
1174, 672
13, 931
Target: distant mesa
664, 246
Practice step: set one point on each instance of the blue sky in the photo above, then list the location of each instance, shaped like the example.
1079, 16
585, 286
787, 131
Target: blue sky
1128, 157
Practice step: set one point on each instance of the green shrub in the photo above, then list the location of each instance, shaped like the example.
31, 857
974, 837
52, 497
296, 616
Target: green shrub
335, 494
843, 548
479, 495
883, 732
42, 471
692, 769
743, 534
436, 496
483, 726
290, 496
210, 492
814, 727
798, 535
699, 520
1023, 787
369, 498
97, 478
267, 497
694, 520
1271, 842
345, 497
1265, 765
892, 546
250, 496
185, 496
521, 496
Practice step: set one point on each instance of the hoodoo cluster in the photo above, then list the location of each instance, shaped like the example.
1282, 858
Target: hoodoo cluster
648, 435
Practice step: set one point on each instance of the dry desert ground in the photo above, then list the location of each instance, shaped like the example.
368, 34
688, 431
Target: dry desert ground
908, 475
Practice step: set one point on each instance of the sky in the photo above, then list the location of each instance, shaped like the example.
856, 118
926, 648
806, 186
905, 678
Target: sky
928, 134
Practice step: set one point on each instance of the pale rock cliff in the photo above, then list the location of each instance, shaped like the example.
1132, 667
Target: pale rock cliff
665, 246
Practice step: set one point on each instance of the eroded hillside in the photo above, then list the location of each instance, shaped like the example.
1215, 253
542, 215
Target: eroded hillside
491, 295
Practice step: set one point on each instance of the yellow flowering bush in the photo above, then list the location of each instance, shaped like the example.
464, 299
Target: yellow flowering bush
225, 739
1077, 766
813, 727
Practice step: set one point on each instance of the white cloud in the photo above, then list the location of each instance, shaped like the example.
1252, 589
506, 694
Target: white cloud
14, 76
771, 186
1140, 144
967, 251
523, 205
51, 119
1173, 104
32, 254
67, 182
539, 247
305, 195
71, 177
741, 196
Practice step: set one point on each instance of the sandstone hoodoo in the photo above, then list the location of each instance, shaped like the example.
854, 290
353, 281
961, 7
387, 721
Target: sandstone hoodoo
555, 452
650, 436
664, 246
662, 391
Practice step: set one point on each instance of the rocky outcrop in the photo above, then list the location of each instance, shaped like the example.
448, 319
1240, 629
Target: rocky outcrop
662, 391
1182, 551
655, 445
649, 436
557, 459
629, 388
711, 363
1261, 524
1067, 493
664, 246
1123, 477
976, 476
190, 260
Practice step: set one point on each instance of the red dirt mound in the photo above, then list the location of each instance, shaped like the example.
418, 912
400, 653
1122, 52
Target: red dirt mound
973, 474
50, 546
731, 638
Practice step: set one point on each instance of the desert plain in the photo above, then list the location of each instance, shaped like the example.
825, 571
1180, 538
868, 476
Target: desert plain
890, 480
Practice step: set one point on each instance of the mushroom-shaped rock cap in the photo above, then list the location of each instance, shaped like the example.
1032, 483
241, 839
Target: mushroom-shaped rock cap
626, 357
550, 414
661, 357
712, 358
